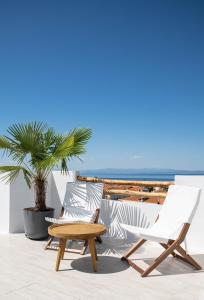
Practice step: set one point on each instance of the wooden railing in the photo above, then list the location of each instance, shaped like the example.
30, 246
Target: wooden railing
128, 192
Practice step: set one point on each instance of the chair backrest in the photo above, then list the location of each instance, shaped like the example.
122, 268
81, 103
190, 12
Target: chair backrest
83, 195
180, 205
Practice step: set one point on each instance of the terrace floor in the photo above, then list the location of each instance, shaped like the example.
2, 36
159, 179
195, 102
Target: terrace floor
27, 272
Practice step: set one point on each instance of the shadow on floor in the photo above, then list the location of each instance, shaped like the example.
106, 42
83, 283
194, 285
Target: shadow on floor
116, 247
105, 265
173, 266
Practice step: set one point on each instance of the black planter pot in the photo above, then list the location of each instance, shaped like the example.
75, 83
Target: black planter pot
36, 228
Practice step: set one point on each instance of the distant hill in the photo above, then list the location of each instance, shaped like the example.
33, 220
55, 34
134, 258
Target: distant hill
112, 171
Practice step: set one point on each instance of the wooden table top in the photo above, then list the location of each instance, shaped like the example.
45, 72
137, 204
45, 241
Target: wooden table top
78, 231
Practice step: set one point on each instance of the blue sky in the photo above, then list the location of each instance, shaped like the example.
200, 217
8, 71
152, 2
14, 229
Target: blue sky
133, 71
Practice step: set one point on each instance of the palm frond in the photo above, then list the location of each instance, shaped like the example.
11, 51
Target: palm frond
66, 147
19, 131
64, 168
26, 137
4, 143
28, 177
36, 149
11, 172
81, 137
60, 151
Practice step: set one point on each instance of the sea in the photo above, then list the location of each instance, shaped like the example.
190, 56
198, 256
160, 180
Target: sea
140, 177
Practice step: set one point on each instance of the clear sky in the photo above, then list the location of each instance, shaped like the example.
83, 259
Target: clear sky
133, 71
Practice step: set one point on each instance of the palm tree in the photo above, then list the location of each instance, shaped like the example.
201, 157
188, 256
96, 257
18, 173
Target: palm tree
36, 150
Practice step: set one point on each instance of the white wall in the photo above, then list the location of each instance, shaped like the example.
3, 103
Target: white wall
195, 237
4, 206
16, 195
57, 189
20, 197
114, 213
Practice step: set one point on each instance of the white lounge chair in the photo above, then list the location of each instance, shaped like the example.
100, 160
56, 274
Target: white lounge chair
81, 204
171, 227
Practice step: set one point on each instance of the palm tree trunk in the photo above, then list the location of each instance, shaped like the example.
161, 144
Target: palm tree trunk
40, 185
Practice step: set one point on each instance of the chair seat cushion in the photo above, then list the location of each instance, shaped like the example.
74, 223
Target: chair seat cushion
155, 233
73, 215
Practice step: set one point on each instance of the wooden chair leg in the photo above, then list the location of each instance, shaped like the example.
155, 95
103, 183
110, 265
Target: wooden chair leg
95, 251
83, 250
168, 250
187, 258
56, 248
133, 249
159, 259
49, 242
165, 246
99, 239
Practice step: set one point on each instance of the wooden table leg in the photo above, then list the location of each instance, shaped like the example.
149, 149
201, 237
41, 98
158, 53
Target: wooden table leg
92, 251
63, 248
59, 254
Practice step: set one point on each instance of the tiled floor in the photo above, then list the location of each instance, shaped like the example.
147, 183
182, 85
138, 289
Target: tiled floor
27, 272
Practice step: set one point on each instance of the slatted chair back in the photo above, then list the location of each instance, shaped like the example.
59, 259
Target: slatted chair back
84, 196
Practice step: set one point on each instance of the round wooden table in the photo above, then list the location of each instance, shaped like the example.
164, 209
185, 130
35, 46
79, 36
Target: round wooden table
76, 231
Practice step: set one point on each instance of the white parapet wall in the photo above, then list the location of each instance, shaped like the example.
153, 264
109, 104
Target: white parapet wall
15, 196
57, 188
114, 213
195, 237
4, 206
